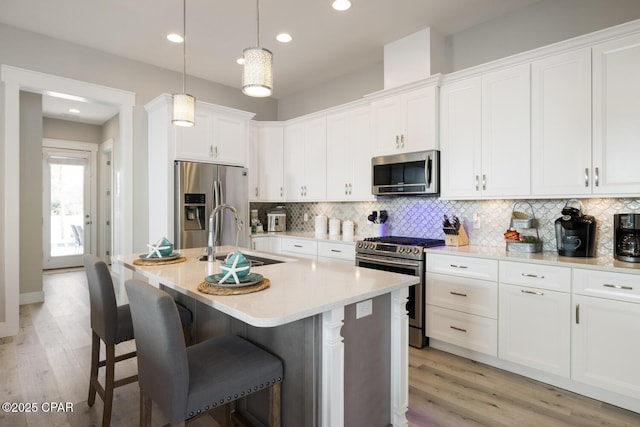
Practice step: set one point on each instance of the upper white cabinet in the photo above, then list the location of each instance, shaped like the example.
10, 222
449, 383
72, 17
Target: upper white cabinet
349, 155
267, 162
485, 135
305, 160
616, 116
561, 124
219, 136
406, 122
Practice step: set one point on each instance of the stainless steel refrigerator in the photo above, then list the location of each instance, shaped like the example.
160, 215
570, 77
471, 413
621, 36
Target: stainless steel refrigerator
199, 188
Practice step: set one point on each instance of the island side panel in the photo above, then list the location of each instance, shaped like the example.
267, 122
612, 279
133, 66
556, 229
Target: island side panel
297, 344
367, 376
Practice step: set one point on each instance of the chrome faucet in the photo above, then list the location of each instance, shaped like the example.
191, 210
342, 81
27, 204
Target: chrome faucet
211, 244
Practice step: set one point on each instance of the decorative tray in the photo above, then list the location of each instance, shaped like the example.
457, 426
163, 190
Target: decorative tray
248, 280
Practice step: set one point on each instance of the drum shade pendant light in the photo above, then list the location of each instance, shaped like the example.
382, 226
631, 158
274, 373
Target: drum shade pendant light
257, 74
184, 105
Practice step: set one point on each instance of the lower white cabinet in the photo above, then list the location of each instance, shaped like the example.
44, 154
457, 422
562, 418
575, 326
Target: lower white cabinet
302, 248
331, 251
265, 243
462, 329
605, 331
534, 328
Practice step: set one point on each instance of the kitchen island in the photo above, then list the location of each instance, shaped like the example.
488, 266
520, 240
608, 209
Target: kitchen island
341, 331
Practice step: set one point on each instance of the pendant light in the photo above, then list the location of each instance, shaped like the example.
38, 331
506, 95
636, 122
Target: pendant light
184, 105
257, 74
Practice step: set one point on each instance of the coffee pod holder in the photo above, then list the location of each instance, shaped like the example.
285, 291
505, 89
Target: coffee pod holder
524, 221
455, 236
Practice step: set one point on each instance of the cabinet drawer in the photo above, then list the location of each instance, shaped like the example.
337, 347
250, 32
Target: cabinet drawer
605, 284
300, 246
472, 296
476, 268
465, 330
342, 251
536, 275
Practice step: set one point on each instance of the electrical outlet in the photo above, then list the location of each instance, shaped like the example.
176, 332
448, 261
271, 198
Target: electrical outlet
364, 309
305, 217
476, 221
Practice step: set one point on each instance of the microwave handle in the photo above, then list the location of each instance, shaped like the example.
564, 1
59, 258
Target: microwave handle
429, 171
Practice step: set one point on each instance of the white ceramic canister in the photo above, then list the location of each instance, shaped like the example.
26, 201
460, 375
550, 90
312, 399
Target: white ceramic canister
334, 227
347, 230
321, 224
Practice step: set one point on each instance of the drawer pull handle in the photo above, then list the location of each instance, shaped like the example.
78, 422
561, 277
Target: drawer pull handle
458, 266
297, 246
336, 250
524, 291
535, 276
455, 328
460, 294
626, 288
577, 314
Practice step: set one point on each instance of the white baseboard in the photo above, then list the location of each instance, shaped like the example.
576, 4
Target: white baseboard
31, 297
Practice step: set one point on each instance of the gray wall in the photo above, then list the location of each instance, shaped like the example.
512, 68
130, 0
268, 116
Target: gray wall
542, 23
71, 131
30, 192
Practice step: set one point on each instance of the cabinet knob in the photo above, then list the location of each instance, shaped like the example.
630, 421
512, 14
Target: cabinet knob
484, 182
402, 140
397, 141
586, 177
596, 178
477, 183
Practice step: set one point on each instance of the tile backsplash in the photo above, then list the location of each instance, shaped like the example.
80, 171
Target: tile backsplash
422, 217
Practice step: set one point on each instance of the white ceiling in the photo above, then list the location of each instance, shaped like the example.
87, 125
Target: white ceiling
326, 43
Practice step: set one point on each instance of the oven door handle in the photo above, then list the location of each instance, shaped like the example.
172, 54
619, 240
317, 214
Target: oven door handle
405, 263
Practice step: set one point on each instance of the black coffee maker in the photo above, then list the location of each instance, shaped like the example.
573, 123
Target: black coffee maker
575, 232
626, 237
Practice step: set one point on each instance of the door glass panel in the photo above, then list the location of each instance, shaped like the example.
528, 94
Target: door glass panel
67, 208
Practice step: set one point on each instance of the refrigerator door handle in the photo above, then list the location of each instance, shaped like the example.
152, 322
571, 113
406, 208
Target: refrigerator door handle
219, 220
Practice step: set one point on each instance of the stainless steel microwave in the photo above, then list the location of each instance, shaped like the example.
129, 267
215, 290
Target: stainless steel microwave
408, 174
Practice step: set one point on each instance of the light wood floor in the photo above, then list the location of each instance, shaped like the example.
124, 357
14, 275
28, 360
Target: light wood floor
48, 361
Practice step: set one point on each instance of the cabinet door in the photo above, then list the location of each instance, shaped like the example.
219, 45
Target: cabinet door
360, 184
340, 155
229, 139
506, 133
196, 142
315, 159
271, 163
385, 117
461, 138
534, 328
419, 124
294, 162
616, 116
561, 124
252, 157
605, 348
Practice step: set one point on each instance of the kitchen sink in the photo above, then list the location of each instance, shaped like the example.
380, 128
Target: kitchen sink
255, 261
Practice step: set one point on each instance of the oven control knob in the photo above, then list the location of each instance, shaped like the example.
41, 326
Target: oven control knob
359, 245
401, 250
366, 246
416, 250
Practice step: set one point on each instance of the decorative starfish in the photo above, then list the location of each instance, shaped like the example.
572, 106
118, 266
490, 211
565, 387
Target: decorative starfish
154, 250
233, 271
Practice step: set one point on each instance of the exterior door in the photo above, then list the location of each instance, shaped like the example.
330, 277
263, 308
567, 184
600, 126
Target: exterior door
67, 207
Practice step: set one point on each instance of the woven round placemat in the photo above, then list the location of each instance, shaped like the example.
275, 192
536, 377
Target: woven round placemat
213, 289
140, 261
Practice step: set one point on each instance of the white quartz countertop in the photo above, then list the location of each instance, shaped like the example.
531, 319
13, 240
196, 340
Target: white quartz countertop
299, 288
311, 236
603, 263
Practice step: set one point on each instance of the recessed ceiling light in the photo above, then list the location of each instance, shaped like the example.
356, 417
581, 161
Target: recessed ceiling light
284, 38
74, 110
175, 38
341, 5
240, 61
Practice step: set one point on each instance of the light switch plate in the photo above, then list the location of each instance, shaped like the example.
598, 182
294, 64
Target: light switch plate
364, 309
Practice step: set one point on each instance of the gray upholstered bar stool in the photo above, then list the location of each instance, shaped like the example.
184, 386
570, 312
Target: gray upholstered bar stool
111, 324
188, 381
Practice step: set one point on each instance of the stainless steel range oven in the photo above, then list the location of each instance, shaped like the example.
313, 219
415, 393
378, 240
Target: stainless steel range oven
401, 255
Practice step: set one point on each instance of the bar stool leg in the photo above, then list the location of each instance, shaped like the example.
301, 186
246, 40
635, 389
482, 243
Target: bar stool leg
109, 384
145, 409
275, 395
93, 376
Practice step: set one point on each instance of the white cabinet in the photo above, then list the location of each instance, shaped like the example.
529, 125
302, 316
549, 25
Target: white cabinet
305, 161
605, 347
266, 243
534, 316
332, 251
461, 308
486, 135
406, 122
349, 155
219, 136
561, 124
267, 162
303, 248
616, 116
